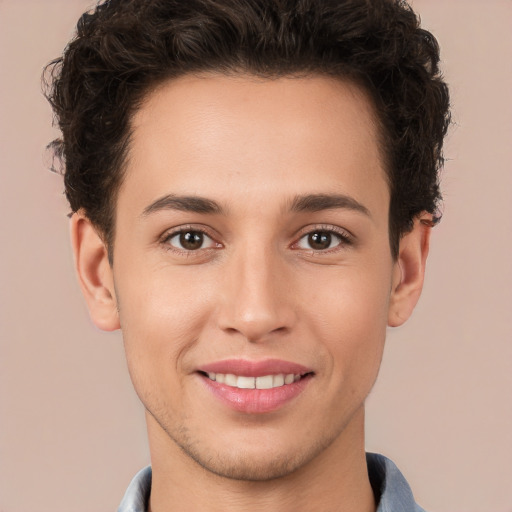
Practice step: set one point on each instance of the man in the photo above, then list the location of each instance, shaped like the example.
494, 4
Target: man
253, 185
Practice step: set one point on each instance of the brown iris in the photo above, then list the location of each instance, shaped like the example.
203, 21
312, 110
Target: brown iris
191, 240
320, 240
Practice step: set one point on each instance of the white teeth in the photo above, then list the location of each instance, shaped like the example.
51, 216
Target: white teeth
246, 382
263, 382
278, 380
231, 380
289, 378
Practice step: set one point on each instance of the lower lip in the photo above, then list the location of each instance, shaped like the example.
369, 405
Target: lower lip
256, 401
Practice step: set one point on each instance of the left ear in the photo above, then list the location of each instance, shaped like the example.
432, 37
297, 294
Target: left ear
409, 271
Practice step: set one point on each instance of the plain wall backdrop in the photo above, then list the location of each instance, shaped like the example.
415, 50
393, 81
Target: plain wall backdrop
72, 431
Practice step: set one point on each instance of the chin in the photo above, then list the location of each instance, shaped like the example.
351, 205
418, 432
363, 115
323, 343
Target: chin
249, 468
254, 462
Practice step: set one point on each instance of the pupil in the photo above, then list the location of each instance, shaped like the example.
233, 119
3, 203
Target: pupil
320, 240
191, 240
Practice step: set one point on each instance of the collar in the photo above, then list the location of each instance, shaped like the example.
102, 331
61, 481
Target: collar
389, 486
392, 492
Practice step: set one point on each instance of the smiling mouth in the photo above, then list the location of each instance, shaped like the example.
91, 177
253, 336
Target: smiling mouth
261, 382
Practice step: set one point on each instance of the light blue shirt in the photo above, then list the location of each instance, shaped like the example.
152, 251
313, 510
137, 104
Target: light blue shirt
389, 486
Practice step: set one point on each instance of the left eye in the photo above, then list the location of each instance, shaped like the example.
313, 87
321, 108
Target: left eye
190, 240
320, 240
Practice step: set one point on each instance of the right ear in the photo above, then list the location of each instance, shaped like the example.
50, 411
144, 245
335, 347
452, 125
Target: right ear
94, 273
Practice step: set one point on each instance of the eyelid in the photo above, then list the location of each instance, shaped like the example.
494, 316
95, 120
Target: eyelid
172, 232
346, 237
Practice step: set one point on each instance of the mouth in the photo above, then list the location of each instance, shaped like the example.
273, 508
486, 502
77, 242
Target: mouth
261, 382
255, 386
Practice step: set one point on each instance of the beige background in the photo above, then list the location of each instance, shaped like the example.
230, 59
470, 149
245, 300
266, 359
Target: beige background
71, 429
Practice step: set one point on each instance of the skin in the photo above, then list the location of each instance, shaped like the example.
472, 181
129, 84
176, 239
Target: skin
255, 289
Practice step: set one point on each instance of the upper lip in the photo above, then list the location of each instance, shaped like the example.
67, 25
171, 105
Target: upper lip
250, 368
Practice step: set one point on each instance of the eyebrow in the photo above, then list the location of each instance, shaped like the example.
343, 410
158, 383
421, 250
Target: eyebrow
302, 203
319, 202
182, 203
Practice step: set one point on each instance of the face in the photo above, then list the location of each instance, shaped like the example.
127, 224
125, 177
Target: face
252, 268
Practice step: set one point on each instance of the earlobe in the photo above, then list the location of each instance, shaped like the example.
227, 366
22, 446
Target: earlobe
94, 273
409, 271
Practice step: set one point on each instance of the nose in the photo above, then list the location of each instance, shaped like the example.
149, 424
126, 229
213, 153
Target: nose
257, 302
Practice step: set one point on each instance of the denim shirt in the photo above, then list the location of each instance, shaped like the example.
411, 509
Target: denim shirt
390, 487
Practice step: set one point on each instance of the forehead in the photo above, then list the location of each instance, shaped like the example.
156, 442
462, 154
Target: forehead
238, 133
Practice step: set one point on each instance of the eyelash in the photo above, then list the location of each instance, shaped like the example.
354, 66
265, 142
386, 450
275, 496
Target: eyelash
168, 236
345, 239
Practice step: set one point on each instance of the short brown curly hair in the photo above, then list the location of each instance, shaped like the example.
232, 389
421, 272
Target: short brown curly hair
123, 48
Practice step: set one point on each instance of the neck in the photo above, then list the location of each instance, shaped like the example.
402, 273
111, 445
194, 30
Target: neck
337, 479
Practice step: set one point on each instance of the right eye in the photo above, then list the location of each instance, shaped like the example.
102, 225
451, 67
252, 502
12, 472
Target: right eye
190, 240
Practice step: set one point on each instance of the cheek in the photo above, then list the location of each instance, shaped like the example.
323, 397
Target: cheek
347, 300
161, 315
350, 315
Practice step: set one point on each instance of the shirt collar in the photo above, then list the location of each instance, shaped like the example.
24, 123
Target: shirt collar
392, 492
390, 487
136, 498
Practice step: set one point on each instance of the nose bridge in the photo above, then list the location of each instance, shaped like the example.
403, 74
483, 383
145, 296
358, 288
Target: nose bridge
256, 302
